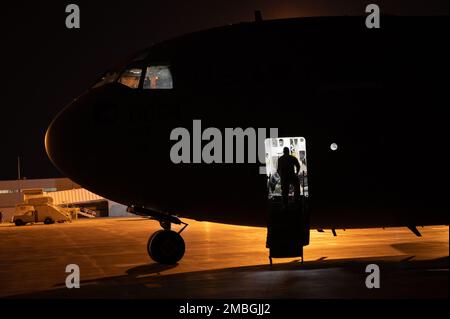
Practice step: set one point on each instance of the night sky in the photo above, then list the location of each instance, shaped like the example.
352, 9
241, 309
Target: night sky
44, 65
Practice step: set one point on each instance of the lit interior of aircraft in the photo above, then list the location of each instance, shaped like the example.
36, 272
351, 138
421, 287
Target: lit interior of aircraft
274, 149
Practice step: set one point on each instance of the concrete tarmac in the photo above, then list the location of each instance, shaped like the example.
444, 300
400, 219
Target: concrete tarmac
221, 261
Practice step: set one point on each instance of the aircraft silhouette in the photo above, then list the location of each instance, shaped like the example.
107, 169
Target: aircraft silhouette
381, 95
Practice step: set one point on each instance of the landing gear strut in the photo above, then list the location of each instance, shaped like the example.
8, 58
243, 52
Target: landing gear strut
165, 246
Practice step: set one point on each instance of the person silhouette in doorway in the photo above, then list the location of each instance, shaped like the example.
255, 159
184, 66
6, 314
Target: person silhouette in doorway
288, 170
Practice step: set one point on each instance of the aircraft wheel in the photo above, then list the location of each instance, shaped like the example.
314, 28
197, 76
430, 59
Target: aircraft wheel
19, 222
166, 247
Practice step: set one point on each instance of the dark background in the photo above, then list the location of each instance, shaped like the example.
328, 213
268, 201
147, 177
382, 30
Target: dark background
44, 65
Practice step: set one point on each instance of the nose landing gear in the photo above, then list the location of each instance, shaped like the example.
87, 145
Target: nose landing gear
165, 246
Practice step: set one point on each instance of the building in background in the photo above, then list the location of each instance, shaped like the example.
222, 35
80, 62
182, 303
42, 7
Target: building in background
63, 191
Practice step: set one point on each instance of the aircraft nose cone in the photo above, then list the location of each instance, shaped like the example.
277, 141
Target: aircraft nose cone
79, 139
91, 143
64, 136
109, 142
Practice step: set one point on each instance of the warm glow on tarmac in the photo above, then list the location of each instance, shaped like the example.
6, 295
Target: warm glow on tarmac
112, 251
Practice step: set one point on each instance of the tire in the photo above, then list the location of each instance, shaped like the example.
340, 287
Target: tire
166, 247
48, 221
19, 222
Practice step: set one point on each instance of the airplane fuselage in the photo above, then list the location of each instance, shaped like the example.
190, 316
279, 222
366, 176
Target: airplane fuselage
380, 95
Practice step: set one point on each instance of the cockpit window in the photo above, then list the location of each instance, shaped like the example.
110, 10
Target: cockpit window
158, 77
108, 77
131, 78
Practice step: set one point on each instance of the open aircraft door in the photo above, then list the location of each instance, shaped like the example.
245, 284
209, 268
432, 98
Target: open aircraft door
287, 225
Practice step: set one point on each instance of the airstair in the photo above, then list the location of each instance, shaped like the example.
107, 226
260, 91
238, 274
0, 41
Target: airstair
86, 213
288, 226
